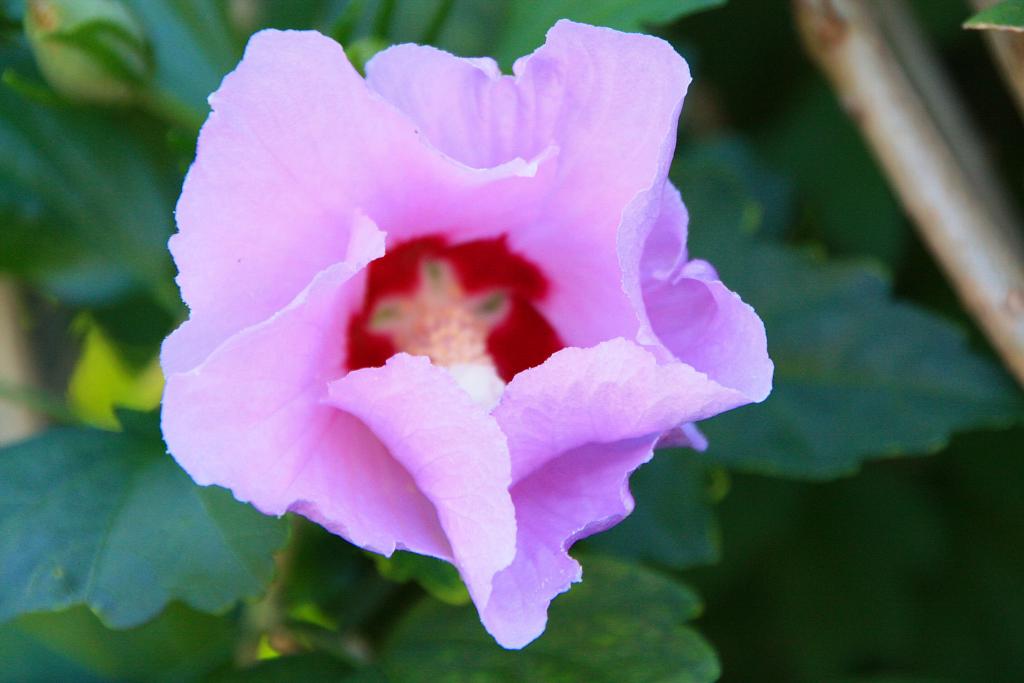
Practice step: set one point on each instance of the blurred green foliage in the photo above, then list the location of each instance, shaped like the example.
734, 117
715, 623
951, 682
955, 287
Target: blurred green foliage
910, 571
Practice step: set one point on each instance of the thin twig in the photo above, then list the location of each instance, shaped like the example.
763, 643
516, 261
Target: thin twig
981, 254
265, 617
922, 65
1008, 49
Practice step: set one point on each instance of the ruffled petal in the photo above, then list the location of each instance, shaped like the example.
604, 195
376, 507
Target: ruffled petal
689, 315
193, 341
609, 103
577, 426
619, 98
252, 418
454, 451
705, 325
465, 107
295, 143
664, 253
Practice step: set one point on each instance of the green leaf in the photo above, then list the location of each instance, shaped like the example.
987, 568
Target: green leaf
673, 523
86, 200
109, 520
308, 668
528, 22
1008, 15
102, 381
770, 201
858, 375
437, 577
847, 203
12, 10
622, 624
137, 325
73, 645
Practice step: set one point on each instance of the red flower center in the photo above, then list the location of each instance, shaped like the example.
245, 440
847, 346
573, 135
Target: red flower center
470, 303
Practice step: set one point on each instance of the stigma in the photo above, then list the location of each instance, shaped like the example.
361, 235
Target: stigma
472, 308
441, 321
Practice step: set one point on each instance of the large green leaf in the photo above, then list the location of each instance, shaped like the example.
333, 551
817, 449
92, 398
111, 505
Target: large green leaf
109, 520
528, 22
73, 645
673, 523
86, 200
858, 375
622, 624
307, 668
1008, 15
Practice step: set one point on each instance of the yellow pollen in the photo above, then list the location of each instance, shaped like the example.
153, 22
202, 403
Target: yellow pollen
440, 320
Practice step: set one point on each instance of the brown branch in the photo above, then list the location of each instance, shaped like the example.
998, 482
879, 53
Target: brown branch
16, 420
923, 67
1008, 49
981, 253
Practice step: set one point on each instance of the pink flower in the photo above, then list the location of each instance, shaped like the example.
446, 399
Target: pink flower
447, 310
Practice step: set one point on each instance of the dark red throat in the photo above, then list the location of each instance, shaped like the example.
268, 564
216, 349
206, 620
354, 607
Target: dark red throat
521, 340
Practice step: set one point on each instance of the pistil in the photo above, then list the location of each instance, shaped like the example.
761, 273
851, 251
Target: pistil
440, 320
468, 307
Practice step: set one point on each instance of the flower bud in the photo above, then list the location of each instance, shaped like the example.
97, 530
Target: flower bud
91, 51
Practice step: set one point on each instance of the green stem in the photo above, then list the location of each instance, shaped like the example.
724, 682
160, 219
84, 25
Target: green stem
170, 110
437, 22
344, 26
38, 400
30, 89
382, 22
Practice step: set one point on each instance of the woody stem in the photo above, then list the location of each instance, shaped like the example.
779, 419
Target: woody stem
974, 238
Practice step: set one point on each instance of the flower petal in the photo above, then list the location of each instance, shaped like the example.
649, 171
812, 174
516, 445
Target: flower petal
710, 328
193, 341
609, 102
580, 493
295, 143
620, 96
693, 317
452, 448
577, 426
251, 417
664, 252
465, 107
